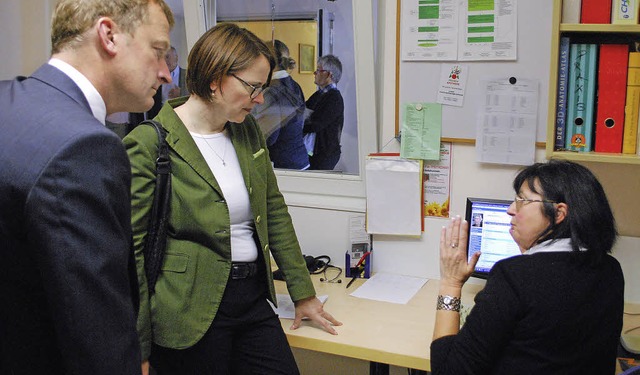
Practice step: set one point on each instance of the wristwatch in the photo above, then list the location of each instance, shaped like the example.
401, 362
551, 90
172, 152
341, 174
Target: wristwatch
448, 303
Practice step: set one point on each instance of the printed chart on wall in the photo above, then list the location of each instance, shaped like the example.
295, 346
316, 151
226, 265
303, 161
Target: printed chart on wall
490, 30
506, 129
458, 30
437, 183
429, 30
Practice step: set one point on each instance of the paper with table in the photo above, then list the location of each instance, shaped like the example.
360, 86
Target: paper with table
390, 288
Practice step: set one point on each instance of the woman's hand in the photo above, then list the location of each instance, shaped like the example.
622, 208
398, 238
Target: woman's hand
454, 268
312, 308
145, 368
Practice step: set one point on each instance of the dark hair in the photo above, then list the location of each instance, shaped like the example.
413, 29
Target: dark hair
221, 51
589, 222
283, 59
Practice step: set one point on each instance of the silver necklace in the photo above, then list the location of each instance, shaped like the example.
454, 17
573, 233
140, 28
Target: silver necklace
224, 151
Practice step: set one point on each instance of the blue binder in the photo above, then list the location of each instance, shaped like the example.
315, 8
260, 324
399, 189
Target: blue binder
563, 81
581, 97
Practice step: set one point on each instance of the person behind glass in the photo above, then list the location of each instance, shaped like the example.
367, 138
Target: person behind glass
281, 116
178, 86
209, 313
558, 308
327, 116
69, 285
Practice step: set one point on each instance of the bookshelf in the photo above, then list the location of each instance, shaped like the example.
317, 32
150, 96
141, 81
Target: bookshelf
597, 31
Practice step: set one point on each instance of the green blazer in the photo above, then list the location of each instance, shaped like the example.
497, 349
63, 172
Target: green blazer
198, 257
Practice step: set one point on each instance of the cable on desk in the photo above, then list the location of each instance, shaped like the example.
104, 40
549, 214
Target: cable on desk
631, 330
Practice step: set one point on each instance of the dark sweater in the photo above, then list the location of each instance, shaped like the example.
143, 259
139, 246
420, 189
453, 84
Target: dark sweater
326, 121
546, 313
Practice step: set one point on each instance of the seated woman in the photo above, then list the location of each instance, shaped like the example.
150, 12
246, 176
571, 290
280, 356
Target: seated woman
555, 310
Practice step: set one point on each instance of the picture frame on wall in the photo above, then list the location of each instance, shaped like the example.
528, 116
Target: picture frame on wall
306, 62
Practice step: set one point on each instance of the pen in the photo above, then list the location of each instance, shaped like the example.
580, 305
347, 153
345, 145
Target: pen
351, 282
364, 256
359, 268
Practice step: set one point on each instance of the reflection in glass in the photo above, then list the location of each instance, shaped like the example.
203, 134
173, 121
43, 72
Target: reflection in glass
310, 29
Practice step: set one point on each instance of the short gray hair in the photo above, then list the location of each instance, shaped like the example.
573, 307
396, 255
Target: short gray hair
332, 64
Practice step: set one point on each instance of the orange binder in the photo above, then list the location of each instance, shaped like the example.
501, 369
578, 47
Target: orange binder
629, 139
595, 11
612, 89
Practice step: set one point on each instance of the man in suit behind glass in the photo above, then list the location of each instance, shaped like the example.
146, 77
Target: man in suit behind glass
178, 86
68, 284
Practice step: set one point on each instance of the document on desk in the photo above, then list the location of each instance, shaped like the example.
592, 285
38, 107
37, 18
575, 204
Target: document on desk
286, 309
390, 288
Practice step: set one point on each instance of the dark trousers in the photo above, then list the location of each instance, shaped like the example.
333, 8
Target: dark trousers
245, 338
324, 162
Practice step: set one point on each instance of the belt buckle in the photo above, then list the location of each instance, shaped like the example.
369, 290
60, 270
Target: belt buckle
240, 271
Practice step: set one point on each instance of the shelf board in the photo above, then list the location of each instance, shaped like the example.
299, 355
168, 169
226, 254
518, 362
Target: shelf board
597, 157
599, 28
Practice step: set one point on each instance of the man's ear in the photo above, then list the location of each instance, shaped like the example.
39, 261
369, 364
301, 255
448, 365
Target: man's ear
561, 212
106, 33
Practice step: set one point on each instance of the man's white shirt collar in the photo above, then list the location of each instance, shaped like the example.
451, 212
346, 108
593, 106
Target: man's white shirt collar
96, 103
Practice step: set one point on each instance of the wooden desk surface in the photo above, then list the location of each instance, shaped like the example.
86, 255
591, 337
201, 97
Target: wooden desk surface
383, 332
395, 334
631, 320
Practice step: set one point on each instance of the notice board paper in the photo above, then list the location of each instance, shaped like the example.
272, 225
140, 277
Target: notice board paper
394, 195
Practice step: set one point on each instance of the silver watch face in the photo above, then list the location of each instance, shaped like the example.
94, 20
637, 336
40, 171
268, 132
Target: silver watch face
447, 300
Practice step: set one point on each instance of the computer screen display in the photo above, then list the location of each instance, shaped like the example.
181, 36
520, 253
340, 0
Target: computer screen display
489, 226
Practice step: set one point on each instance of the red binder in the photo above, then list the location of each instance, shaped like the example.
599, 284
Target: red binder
595, 11
612, 90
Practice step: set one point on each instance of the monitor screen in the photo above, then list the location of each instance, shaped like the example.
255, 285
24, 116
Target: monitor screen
489, 226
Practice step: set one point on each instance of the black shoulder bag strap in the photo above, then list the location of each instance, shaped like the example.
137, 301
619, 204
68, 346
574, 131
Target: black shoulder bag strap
156, 241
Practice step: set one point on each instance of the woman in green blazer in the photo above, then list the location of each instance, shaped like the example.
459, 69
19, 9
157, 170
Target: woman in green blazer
209, 313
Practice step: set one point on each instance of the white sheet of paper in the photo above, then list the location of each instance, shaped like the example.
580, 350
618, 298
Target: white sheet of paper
390, 288
286, 309
394, 196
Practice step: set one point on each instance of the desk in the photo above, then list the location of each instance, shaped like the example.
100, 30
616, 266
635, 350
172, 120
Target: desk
371, 330
630, 321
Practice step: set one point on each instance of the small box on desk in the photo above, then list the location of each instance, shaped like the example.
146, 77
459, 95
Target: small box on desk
358, 261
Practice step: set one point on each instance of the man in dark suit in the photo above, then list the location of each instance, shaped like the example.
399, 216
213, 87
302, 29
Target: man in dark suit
178, 75
68, 284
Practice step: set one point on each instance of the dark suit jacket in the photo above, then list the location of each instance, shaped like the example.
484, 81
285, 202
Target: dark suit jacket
281, 118
65, 235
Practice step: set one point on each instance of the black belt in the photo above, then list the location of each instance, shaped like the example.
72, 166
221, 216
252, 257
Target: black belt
242, 270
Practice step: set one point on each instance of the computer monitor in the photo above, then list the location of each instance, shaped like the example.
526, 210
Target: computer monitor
489, 226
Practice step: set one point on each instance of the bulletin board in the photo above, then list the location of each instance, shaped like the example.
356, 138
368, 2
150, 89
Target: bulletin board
418, 81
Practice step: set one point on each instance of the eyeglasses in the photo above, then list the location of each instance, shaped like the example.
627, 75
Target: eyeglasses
319, 71
255, 91
523, 201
